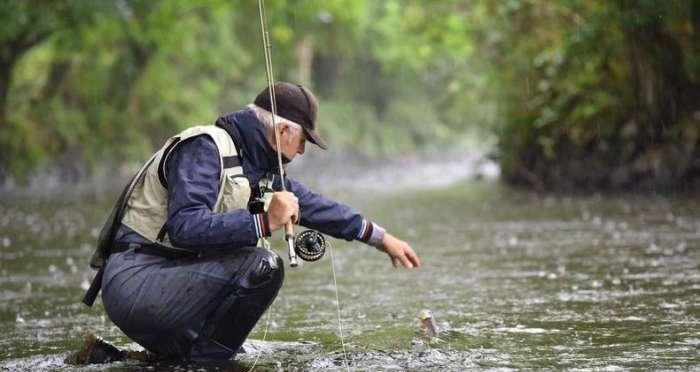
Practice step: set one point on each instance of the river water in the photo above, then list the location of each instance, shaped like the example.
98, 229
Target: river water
514, 280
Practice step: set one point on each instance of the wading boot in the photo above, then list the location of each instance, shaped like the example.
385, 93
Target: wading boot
96, 351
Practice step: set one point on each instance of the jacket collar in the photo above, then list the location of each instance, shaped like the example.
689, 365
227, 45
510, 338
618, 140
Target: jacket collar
248, 134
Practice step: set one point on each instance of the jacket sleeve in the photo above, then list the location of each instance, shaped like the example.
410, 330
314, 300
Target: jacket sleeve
330, 217
193, 172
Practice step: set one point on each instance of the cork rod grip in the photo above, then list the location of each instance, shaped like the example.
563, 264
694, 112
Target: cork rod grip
289, 237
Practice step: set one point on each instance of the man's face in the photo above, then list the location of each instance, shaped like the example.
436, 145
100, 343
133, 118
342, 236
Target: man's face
292, 140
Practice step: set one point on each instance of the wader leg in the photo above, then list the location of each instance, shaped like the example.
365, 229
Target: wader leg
199, 308
249, 295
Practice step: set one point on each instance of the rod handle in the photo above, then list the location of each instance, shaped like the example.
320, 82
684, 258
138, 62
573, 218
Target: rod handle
289, 237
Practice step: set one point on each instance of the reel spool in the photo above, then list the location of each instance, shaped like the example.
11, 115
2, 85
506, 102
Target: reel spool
310, 245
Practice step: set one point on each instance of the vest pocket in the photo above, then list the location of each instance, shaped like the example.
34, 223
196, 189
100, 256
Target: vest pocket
236, 192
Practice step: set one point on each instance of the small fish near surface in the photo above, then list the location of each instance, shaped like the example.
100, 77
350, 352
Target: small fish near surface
428, 326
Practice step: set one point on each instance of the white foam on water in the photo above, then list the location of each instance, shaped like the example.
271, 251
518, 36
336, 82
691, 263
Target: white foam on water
522, 329
666, 305
35, 363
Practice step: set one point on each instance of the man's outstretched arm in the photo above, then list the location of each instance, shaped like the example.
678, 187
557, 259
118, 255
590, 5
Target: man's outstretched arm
341, 221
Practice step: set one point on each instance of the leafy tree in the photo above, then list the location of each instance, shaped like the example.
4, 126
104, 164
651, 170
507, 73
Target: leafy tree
598, 94
578, 93
26, 24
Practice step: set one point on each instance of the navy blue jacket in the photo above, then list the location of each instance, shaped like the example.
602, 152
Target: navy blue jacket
193, 184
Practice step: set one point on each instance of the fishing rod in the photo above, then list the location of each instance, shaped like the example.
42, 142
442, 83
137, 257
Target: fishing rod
310, 245
288, 227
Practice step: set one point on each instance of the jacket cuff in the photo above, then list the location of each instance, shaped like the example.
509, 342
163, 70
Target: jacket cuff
371, 233
262, 225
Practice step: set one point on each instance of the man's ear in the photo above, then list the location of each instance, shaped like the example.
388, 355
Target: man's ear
283, 127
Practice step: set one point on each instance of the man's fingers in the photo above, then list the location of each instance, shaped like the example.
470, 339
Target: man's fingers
293, 212
405, 261
413, 257
394, 262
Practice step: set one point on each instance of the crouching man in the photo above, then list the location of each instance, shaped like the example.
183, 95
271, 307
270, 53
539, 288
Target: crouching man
181, 266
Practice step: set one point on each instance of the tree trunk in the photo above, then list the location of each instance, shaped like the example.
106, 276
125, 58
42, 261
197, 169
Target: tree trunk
126, 73
57, 73
10, 53
305, 58
5, 73
657, 74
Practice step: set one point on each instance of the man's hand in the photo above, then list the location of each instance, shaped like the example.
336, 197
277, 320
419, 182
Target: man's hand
399, 251
284, 207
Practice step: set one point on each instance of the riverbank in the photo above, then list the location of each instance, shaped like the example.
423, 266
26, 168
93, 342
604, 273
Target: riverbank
318, 169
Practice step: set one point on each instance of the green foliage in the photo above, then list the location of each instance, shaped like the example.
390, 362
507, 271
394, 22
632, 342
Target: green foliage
579, 93
402, 128
109, 81
596, 93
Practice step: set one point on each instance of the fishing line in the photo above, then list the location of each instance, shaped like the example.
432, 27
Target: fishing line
267, 326
337, 308
271, 89
309, 244
267, 46
271, 86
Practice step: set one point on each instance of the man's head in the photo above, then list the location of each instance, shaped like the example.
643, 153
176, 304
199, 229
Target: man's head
298, 108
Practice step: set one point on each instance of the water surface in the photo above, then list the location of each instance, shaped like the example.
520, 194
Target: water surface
515, 280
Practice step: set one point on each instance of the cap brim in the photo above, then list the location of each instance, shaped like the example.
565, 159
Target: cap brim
317, 140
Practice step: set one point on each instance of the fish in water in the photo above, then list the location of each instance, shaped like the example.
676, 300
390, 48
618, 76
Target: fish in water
428, 326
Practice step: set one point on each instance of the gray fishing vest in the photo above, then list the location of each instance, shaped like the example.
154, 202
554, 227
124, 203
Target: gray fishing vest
143, 204
147, 207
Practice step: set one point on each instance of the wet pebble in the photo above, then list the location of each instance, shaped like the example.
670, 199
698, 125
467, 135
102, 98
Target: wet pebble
680, 248
653, 248
322, 363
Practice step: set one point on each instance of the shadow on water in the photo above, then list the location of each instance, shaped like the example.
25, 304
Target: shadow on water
515, 280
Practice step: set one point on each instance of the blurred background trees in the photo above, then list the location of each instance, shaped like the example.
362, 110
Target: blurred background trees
599, 94
572, 93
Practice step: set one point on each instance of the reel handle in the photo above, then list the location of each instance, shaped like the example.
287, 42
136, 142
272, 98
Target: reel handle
289, 237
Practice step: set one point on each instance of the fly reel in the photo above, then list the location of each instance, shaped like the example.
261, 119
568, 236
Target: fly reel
310, 245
